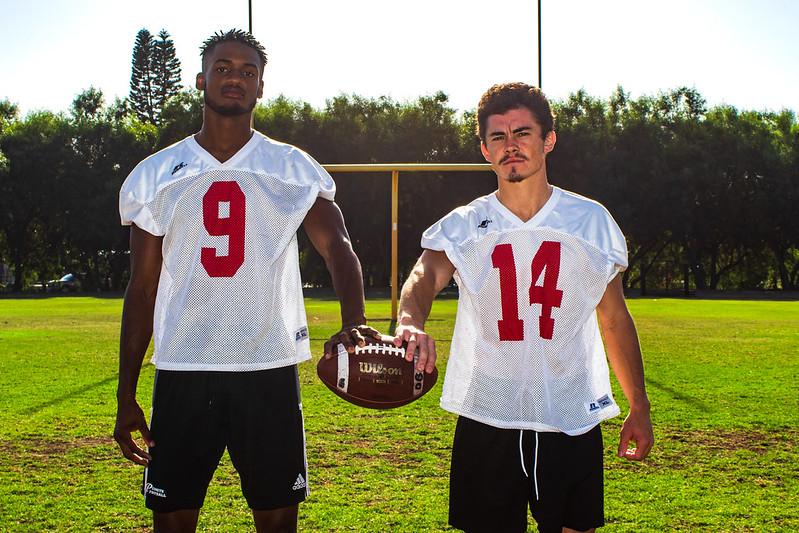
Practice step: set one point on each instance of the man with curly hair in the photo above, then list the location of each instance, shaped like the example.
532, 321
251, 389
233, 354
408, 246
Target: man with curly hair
527, 371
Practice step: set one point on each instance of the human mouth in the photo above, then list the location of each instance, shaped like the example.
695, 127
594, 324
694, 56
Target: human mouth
232, 92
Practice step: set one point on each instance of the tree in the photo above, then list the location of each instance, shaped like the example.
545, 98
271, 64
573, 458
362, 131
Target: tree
142, 92
166, 68
155, 75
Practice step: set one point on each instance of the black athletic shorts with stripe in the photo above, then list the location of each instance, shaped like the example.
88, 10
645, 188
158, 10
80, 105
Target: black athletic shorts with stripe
497, 473
257, 416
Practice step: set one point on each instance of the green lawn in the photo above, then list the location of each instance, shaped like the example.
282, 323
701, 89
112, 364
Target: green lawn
723, 377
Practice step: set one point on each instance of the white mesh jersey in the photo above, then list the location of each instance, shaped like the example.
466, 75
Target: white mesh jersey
229, 296
526, 351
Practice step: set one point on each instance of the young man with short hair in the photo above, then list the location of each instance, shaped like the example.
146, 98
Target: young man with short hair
215, 281
527, 371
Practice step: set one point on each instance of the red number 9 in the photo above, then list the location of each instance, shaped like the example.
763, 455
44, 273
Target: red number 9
232, 226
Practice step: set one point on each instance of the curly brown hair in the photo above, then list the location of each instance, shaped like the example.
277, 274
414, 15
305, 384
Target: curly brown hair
503, 97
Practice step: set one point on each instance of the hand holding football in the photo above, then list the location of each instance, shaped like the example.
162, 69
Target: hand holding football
376, 375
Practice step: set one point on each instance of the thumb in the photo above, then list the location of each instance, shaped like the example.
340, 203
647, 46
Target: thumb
145, 433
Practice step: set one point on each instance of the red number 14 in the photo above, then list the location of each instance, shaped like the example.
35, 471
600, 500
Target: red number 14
546, 260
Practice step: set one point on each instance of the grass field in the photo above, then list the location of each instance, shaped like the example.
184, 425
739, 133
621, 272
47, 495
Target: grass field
723, 378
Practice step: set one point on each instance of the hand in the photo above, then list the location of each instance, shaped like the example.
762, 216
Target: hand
637, 427
349, 336
130, 418
417, 338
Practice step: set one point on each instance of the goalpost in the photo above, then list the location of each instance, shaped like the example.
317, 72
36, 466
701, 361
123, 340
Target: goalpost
395, 169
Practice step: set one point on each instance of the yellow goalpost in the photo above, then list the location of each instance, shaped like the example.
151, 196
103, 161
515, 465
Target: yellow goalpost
395, 169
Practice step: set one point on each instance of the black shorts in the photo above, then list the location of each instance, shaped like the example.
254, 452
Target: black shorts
496, 473
256, 415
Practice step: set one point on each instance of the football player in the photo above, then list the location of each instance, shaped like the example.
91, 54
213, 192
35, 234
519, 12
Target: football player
527, 371
215, 281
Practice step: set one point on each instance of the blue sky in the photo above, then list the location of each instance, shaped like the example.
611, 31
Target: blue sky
739, 52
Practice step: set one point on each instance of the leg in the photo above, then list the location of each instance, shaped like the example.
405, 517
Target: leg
488, 489
189, 444
184, 521
267, 444
283, 520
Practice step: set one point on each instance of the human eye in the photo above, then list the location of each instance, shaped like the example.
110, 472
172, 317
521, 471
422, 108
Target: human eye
249, 74
221, 68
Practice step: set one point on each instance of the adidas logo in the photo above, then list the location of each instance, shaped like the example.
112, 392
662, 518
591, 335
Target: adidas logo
300, 483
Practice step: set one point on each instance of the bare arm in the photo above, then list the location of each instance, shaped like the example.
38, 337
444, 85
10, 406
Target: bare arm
624, 353
324, 225
137, 329
431, 273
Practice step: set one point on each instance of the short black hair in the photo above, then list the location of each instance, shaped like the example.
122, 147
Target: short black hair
503, 97
236, 36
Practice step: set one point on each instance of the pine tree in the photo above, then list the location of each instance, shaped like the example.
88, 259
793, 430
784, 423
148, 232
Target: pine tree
155, 75
142, 77
166, 67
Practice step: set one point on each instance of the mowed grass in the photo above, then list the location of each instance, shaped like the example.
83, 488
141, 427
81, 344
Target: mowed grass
723, 378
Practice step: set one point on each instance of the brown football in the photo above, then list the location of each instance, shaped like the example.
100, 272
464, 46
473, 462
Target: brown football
376, 376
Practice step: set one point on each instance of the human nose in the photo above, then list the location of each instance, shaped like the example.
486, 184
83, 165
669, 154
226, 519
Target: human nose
511, 143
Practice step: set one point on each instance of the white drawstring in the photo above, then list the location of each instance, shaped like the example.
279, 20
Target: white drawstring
535, 461
521, 453
535, 467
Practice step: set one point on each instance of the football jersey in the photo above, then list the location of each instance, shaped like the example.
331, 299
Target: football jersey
230, 295
526, 350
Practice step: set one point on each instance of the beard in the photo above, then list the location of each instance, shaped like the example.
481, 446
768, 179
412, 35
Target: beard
514, 176
233, 109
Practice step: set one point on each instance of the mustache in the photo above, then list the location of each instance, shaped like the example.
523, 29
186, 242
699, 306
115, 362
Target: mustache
514, 156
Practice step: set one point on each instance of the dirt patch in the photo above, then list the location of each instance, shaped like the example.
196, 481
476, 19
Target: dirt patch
716, 449
43, 448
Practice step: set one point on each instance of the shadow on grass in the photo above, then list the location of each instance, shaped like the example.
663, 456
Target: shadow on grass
77, 392
690, 400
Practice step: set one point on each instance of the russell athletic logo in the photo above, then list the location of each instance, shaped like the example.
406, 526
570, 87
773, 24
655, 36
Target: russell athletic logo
300, 483
601, 403
155, 491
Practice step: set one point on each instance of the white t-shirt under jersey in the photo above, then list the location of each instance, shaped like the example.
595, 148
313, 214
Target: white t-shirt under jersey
526, 351
229, 296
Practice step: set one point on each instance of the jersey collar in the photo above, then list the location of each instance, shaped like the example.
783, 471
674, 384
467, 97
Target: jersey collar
537, 218
243, 152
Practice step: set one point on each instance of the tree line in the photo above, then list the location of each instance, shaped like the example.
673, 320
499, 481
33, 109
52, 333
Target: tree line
707, 197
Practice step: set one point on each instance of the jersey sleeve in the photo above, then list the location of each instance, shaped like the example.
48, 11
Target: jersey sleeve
446, 234
613, 243
311, 172
137, 190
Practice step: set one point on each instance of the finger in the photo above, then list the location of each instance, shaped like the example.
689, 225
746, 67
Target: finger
329, 349
624, 443
356, 336
145, 434
345, 340
399, 336
131, 451
370, 332
410, 349
431, 355
423, 353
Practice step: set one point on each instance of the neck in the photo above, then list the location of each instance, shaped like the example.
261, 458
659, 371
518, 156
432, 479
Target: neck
223, 136
524, 198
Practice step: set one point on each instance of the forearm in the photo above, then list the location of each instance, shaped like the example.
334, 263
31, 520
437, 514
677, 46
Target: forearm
345, 271
624, 353
416, 298
135, 335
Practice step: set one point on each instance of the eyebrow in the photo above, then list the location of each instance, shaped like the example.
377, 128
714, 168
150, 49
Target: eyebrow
253, 65
517, 130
